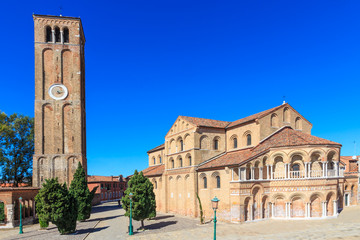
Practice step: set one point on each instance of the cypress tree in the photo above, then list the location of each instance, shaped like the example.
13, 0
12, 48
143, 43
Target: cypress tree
144, 204
80, 190
57, 205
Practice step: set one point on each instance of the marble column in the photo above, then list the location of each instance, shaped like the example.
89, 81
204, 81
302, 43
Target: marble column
335, 210
10, 216
271, 172
232, 175
260, 173
239, 172
268, 172
252, 173
53, 35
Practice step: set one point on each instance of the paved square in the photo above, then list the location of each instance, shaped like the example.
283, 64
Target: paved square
108, 222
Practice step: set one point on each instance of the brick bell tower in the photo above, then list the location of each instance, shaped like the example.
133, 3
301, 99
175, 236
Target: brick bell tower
60, 126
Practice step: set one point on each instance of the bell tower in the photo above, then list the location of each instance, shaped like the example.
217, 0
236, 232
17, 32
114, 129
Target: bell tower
60, 126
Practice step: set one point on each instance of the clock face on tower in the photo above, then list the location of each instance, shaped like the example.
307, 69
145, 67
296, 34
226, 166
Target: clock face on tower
58, 92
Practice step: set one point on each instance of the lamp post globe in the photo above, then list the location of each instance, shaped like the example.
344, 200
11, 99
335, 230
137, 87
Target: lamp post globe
214, 204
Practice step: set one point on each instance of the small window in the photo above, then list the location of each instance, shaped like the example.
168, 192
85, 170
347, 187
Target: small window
154, 161
155, 184
205, 182
57, 34
181, 145
66, 35
190, 163
216, 144
235, 143
217, 181
296, 167
298, 123
248, 140
159, 159
180, 162
172, 164
48, 34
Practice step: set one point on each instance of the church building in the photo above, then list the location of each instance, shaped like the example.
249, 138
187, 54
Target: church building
267, 165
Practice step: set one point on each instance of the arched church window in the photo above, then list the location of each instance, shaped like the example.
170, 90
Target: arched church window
160, 160
298, 123
205, 182
217, 181
216, 144
248, 140
181, 145
180, 162
48, 34
57, 34
235, 143
154, 160
190, 161
66, 35
172, 164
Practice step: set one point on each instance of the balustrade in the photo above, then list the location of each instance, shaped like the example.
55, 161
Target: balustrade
287, 174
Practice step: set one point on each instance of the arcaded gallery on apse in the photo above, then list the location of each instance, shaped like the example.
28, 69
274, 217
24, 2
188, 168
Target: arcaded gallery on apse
267, 165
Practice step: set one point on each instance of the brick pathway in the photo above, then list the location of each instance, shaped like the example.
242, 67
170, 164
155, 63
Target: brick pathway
108, 222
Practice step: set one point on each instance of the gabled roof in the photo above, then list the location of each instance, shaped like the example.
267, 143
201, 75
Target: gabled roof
253, 117
154, 170
162, 146
284, 137
204, 122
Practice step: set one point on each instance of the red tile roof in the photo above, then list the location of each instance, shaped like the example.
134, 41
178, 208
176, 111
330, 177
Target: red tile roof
346, 160
204, 122
284, 137
162, 146
103, 179
154, 170
253, 117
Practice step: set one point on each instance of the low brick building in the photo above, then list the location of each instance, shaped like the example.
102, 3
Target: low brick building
9, 198
110, 188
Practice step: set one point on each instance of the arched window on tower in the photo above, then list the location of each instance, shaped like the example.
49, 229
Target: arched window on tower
66, 35
57, 34
248, 140
48, 34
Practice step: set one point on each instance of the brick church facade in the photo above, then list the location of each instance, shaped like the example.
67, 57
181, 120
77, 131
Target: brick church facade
267, 165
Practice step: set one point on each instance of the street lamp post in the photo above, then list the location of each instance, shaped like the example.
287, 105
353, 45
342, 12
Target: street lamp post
21, 226
215, 202
130, 225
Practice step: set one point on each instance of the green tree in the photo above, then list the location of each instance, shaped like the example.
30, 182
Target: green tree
16, 147
144, 204
58, 205
2, 212
79, 189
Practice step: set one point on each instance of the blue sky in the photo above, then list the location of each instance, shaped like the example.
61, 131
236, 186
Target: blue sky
149, 61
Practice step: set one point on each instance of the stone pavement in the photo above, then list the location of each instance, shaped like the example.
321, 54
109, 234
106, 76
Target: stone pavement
108, 222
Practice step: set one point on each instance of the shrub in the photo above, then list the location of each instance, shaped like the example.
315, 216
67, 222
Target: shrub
56, 204
2, 212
